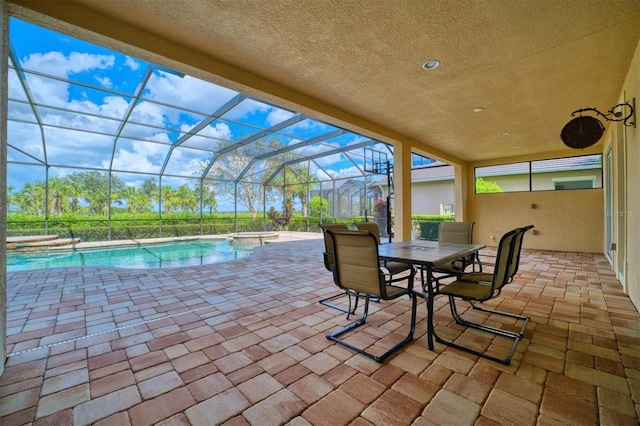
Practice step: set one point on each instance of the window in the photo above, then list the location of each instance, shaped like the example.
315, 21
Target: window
503, 178
567, 173
574, 183
582, 172
446, 209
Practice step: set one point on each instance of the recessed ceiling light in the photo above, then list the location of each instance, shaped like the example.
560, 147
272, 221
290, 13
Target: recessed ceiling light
431, 65
479, 109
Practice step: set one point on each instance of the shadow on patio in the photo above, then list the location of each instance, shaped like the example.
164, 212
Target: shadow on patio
243, 342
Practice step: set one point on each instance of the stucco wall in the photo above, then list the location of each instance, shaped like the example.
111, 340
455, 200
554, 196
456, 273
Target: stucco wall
631, 89
426, 197
564, 220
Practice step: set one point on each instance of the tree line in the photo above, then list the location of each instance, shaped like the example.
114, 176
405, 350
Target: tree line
95, 192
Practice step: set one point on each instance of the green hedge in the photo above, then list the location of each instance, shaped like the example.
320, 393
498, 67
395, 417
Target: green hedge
146, 225
430, 225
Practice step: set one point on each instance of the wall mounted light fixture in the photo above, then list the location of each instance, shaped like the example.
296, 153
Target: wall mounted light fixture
585, 130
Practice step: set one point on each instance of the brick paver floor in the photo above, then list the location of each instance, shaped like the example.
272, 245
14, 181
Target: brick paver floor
243, 342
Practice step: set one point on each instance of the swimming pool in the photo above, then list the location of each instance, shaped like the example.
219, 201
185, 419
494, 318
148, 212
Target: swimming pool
161, 255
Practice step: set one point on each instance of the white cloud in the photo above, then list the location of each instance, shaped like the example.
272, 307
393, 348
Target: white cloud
49, 92
148, 113
113, 106
55, 63
345, 172
132, 161
245, 108
277, 115
138, 156
188, 92
95, 150
105, 81
27, 138
218, 131
131, 63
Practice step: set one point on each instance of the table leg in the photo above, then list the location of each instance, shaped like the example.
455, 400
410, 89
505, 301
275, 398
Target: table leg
428, 297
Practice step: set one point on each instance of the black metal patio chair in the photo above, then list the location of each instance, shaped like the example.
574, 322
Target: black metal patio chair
357, 269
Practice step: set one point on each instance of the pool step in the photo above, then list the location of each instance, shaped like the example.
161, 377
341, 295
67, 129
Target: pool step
38, 242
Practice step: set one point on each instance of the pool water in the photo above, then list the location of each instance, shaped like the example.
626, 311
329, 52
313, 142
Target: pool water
165, 255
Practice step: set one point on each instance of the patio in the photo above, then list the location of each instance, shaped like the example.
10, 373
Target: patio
243, 342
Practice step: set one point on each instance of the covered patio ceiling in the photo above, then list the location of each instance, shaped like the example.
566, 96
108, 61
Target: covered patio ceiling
358, 64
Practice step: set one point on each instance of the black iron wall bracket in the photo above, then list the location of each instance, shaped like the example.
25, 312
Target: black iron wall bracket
585, 130
616, 113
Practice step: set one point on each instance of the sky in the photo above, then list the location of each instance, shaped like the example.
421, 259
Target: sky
84, 96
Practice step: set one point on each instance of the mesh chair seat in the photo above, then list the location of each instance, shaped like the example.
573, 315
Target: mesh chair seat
477, 276
395, 268
467, 290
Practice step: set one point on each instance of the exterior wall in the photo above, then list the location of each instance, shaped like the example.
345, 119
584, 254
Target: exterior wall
564, 220
510, 183
426, 197
571, 220
631, 213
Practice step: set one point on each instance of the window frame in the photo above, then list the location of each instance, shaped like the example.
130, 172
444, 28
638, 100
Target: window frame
591, 173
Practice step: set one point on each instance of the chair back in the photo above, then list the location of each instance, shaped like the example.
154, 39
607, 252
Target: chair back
456, 232
328, 243
504, 258
517, 248
357, 267
371, 227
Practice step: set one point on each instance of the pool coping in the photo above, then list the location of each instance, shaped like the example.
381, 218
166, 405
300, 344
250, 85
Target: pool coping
117, 243
283, 236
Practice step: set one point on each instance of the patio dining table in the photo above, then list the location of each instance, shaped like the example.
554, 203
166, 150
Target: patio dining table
426, 255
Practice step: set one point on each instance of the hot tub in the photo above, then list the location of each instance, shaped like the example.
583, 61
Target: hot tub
253, 238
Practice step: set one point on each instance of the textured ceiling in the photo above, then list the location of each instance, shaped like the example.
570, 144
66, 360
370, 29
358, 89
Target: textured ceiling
529, 64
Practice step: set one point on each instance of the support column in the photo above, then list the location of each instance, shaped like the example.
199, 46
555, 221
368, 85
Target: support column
4, 50
402, 192
461, 178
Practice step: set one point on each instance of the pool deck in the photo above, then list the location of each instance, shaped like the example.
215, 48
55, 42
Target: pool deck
243, 342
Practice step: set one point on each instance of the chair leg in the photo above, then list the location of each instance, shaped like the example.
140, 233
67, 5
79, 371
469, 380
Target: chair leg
508, 334
362, 320
348, 311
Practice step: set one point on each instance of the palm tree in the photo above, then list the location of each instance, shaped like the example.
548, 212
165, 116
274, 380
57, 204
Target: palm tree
209, 199
140, 202
57, 196
31, 198
10, 198
299, 178
248, 191
294, 180
186, 198
150, 189
168, 199
137, 200
74, 192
